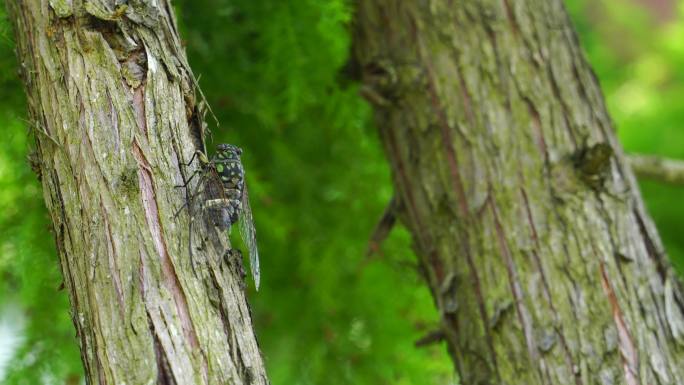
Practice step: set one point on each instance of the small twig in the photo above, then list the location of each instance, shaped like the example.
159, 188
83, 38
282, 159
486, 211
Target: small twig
383, 228
658, 168
430, 338
373, 96
41, 130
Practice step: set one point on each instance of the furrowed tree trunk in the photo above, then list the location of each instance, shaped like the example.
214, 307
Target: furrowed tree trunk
543, 272
112, 101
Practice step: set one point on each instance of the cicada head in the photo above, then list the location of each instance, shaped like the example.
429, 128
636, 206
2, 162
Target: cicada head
228, 151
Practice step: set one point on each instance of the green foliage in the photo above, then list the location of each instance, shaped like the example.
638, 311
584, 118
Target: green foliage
318, 183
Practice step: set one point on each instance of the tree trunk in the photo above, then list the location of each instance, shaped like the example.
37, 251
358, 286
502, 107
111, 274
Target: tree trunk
529, 226
112, 101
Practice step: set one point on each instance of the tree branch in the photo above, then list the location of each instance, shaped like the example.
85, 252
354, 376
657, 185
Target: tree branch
658, 168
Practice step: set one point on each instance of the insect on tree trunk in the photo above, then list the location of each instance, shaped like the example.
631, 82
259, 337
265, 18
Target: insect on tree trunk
529, 226
113, 104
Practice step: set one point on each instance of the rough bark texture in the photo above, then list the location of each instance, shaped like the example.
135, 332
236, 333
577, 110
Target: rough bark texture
543, 272
112, 102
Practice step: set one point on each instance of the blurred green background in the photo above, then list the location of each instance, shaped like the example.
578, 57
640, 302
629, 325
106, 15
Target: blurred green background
318, 183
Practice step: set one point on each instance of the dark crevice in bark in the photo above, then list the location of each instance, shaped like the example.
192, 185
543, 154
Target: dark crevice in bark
108, 29
615, 250
516, 289
229, 333
164, 372
566, 112
112, 260
510, 14
537, 129
653, 251
569, 360
408, 195
100, 369
627, 349
481, 306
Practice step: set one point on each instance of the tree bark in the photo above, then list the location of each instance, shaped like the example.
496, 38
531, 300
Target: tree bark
531, 232
112, 101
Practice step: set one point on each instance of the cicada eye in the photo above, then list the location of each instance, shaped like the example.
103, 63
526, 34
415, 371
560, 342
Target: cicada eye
238, 150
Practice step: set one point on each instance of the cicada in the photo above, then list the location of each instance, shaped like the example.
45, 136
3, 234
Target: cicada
225, 199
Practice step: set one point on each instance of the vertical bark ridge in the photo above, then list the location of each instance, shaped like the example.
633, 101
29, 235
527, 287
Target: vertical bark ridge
455, 177
557, 328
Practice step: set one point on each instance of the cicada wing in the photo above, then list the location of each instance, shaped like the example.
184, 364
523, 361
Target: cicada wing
248, 234
216, 204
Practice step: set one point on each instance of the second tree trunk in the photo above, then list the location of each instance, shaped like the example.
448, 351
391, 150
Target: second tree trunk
530, 228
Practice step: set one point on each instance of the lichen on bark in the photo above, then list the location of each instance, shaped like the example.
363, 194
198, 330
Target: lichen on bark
544, 270
114, 106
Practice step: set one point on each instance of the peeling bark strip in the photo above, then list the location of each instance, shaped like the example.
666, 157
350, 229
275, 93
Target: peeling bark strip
540, 276
627, 352
109, 86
